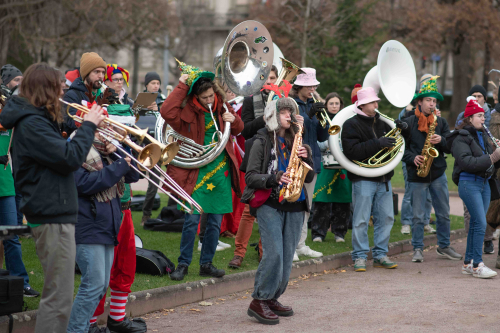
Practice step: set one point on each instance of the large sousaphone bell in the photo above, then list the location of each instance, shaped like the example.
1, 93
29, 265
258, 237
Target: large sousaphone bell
395, 75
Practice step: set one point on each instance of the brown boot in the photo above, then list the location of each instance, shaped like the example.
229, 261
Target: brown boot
280, 309
145, 218
260, 311
236, 262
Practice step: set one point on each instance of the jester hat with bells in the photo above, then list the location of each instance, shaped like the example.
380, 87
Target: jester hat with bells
112, 69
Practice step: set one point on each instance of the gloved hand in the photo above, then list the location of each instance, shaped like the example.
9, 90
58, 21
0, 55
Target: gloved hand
114, 98
4, 159
316, 107
386, 142
495, 156
401, 124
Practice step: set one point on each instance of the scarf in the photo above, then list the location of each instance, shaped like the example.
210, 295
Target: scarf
198, 104
259, 104
423, 120
94, 163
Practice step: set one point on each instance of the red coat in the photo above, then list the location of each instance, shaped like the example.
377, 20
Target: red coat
190, 122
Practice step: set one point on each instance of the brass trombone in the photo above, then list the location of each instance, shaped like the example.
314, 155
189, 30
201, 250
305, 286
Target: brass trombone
153, 152
385, 155
324, 119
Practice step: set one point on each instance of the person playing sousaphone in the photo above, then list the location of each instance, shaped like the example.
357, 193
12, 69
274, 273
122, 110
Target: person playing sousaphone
196, 109
416, 135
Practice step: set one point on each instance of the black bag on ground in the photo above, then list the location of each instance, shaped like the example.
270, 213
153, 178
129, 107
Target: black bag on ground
152, 262
11, 294
137, 201
170, 219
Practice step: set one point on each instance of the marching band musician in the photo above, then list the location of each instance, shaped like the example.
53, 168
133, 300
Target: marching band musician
303, 87
475, 162
362, 137
114, 78
188, 110
280, 222
435, 182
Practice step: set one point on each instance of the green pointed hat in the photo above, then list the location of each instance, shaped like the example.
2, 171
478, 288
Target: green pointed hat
194, 74
429, 89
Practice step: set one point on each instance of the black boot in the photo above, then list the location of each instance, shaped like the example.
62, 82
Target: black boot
136, 325
211, 270
179, 273
96, 329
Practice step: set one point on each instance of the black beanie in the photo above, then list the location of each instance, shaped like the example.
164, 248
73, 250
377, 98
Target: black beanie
478, 88
8, 72
150, 76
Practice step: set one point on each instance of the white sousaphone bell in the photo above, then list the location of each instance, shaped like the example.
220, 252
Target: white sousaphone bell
395, 75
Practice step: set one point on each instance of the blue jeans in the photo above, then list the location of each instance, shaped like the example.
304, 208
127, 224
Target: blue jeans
13, 254
210, 240
438, 189
95, 261
406, 208
280, 233
476, 196
371, 198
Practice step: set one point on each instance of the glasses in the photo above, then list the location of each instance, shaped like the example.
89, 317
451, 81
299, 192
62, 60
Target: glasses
118, 80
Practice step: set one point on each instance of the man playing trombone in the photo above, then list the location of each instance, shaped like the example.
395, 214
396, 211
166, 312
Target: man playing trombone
416, 136
196, 109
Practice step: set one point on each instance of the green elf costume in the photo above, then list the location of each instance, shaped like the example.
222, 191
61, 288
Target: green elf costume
332, 201
211, 184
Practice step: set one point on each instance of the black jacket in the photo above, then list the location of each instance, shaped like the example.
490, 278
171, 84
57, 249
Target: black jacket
360, 141
252, 124
44, 162
469, 156
256, 176
415, 141
75, 94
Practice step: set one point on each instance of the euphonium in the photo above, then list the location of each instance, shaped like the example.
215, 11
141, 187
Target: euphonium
297, 169
428, 152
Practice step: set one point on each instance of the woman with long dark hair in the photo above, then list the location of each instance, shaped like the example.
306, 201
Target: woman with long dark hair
333, 190
44, 163
475, 162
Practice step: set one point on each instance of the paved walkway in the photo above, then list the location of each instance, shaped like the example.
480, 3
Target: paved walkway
432, 296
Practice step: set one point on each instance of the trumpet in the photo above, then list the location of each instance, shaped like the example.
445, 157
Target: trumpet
149, 156
324, 119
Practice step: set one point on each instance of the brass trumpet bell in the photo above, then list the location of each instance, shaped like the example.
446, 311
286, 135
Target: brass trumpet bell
149, 156
168, 152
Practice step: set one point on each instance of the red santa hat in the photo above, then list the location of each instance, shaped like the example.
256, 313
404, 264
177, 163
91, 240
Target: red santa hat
472, 107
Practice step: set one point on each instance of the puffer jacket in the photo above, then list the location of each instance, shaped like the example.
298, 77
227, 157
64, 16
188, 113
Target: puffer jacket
469, 156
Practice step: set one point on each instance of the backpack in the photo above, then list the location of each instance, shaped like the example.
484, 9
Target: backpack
152, 262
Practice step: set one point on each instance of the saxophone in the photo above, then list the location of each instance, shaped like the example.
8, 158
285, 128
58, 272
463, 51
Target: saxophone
428, 152
297, 169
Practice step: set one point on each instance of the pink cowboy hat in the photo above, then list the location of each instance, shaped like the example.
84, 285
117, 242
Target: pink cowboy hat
366, 95
308, 79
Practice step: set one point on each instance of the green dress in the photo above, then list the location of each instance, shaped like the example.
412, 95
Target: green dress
213, 186
332, 185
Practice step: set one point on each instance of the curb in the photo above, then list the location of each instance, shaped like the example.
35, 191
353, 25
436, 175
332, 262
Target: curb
151, 300
402, 190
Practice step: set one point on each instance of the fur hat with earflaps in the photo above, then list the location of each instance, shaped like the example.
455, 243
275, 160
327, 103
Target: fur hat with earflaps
271, 113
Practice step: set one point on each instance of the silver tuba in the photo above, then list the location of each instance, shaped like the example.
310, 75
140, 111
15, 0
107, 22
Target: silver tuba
242, 65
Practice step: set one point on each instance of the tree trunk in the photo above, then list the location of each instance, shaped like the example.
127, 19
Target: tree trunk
487, 64
135, 72
445, 72
303, 45
462, 79
4, 41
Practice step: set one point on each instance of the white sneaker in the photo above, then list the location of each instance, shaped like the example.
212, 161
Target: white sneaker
429, 229
405, 230
317, 239
199, 246
307, 251
483, 272
224, 245
219, 247
496, 234
295, 256
467, 269
339, 239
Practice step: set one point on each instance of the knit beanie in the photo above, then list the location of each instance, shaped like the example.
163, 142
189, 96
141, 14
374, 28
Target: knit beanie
478, 88
8, 72
150, 76
89, 62
472, 107
354, 93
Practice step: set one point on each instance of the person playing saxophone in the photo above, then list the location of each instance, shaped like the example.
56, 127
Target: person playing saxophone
280, 221
416, 137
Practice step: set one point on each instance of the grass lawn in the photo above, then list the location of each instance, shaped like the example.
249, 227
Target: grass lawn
398, 181
169, 243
